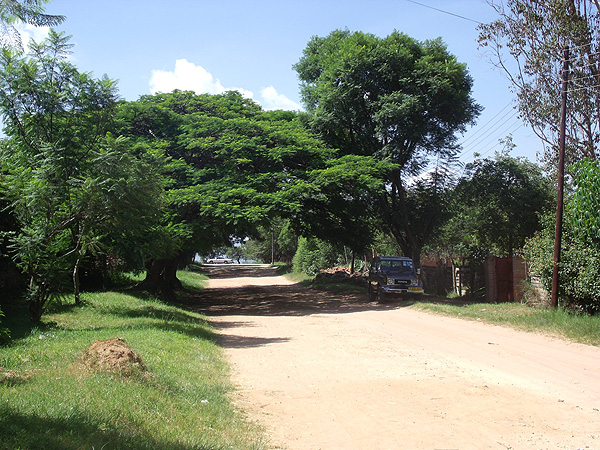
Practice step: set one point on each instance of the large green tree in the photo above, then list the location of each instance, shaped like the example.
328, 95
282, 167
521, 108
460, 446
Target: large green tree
232, 168
526, 42
69, 183
500, 203
393, 99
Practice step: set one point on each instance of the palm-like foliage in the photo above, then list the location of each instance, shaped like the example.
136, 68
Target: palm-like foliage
27, 11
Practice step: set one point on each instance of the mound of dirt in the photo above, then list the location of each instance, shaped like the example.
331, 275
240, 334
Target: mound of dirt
340, 275
113, 356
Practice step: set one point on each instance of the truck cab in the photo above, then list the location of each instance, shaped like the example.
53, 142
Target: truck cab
393, 275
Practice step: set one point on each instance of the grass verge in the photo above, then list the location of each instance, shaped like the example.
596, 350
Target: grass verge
50, 400
560, 323
581, 328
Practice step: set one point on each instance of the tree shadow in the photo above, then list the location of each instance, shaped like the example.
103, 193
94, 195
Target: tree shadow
21, 430
166, 319
235, 341
281, 300
288, 300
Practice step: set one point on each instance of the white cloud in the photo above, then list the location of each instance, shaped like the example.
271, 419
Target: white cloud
189, 77
29, 32
273, 100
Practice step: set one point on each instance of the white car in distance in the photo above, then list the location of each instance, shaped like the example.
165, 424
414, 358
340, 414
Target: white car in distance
219, 260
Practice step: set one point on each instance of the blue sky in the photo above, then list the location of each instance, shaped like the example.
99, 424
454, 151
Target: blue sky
211, 46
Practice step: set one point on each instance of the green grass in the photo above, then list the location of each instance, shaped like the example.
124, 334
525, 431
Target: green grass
580, 328
192, 281
298, 277
49, 400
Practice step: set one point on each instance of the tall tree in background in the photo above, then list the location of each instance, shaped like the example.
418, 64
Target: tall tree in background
393, 99
501, 202
527, 43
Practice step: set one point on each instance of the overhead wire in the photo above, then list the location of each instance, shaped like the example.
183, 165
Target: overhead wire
492, 142
491, 131
445, 12
497, 125
498, 143
482, 127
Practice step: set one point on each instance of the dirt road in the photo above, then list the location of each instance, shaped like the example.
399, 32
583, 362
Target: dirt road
324, 371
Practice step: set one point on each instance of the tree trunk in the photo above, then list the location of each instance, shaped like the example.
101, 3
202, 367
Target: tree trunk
76, 284
161, 278
38, 299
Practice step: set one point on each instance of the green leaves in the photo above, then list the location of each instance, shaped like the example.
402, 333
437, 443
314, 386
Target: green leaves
392, 99
73, 188
228, 161
585, 202
504, 199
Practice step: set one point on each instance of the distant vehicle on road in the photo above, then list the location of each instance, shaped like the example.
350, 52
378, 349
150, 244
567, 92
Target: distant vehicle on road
393, 275
219, 260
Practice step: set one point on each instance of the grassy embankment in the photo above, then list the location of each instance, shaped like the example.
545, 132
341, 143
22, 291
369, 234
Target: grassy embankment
581, 328
50, 400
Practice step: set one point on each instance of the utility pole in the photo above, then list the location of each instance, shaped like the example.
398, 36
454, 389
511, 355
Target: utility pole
561, 179
272, 245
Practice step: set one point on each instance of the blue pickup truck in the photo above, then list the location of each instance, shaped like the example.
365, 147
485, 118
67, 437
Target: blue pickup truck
393, 275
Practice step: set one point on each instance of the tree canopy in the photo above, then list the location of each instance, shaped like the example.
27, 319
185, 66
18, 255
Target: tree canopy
233, 167
392, 99
503, 200
526, 42
69, 183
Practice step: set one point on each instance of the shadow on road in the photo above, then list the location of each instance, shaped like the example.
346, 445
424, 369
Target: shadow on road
285, 300
289, 300
274, 300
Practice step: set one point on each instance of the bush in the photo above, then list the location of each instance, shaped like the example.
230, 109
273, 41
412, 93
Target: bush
579, 267
4, 334
313, 255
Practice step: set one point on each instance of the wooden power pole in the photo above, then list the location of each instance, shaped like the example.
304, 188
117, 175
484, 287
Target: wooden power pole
561, 179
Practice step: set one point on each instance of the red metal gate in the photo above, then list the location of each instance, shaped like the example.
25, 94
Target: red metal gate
504, 272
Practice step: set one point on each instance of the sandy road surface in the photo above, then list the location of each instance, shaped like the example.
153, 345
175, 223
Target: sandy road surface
323, 371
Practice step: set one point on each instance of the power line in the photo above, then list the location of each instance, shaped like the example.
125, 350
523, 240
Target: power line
492, 143
446, 12
496, 126
482, 127
583, 88
493, 147
491, 131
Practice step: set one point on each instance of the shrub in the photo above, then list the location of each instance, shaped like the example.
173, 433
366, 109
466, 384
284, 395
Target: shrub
313, 255
4, 334
579, 267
